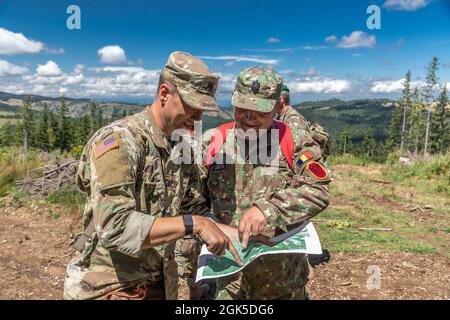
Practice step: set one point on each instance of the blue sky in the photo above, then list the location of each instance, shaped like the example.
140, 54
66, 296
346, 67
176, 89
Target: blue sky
323, 49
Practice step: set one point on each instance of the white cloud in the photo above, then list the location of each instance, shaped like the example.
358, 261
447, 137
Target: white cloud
243, 58
312, 47
79, 68
331, 38
320, 86
393, 86
117, 69
112, 54
9, 69
16, 43
55, 50
229, 64
227, 82
405, 5
357, 39
312, 72
50, 69
273, 40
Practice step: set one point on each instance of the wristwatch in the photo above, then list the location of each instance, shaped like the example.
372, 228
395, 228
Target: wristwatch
188, 224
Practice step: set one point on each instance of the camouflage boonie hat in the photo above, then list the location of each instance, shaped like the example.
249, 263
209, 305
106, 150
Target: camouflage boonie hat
284, 90
195, 84
257, 89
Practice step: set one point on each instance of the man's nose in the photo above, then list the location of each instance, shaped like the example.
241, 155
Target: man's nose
249, 115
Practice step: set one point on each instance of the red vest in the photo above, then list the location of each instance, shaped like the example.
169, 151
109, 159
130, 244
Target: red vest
285, 140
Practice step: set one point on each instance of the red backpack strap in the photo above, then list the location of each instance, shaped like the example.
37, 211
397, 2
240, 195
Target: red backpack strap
286, 142
217, 141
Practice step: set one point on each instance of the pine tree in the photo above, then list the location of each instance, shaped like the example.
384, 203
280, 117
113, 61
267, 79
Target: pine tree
52, 131
405, 101
416, 121
95, 125
344, 141
42, 130
368, 144
27, 123
85, 130
394, 129
64, 136
440, 125
431, 80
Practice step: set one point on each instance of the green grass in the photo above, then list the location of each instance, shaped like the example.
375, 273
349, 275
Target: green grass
68, 198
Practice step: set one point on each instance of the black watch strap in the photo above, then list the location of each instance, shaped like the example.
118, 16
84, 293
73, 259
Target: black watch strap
188, 224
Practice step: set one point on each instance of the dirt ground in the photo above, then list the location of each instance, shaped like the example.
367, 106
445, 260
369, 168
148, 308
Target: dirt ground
34, 252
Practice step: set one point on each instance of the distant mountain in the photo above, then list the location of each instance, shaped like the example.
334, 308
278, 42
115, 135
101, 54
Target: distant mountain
333, 114
10, 106
358, 115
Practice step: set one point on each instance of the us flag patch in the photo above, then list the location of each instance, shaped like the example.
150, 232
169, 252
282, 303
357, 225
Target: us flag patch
317, 170
104, 146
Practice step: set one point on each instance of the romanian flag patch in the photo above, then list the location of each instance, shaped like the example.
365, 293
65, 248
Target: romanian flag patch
303, 158
106, 145
317, 170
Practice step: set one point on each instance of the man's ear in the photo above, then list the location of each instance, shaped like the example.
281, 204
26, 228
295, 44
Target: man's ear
163, 93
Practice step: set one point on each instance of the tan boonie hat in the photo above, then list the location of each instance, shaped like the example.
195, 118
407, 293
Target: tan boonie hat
257, 89
195, 84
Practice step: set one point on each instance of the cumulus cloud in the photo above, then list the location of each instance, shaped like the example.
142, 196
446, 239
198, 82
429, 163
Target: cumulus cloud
243, 58
50, 69
112, 54
331, 38
327, 85
312, 72
357, 39
405, 5
9, 69
16, 43
393, 86
273, 40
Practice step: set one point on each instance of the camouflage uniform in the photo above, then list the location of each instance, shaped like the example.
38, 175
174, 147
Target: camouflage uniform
295, 120
286, 198
128, 172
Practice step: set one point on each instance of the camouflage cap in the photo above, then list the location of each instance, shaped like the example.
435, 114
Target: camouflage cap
257, 89
284, 90
195, 84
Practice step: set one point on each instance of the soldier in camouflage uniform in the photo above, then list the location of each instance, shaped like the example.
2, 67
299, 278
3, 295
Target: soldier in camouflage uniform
287, 114
136, 194
256, 198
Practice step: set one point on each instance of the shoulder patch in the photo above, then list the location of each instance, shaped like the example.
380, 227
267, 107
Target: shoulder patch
105, 145
317, 170
303, 158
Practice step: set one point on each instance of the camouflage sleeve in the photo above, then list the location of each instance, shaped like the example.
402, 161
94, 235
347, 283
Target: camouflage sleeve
114, 164
306, 192
194, 200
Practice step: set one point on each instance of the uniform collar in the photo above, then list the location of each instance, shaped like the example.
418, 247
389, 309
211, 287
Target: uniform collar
159, 138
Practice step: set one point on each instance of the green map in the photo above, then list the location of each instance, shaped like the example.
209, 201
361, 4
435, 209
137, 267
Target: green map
212, 266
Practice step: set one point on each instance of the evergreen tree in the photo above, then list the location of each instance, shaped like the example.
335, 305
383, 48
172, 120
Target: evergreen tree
95, 123
64, 137
405, 101
27, 123
85, 130
52, 131
440, 125
431, 80
368, 144
344, 141
394, 129
42, 130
